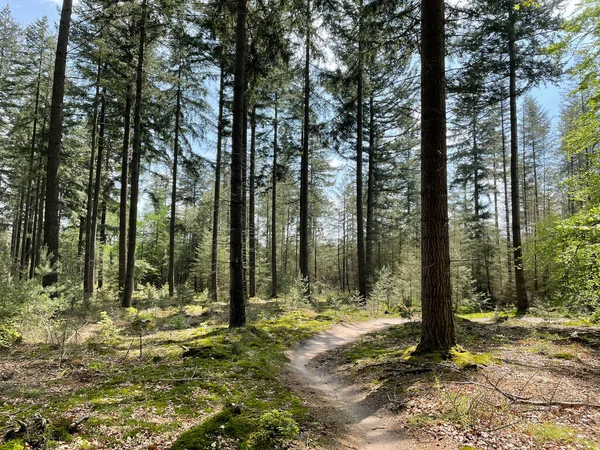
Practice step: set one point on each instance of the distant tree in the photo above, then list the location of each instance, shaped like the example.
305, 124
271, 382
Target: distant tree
135, 160
500, 31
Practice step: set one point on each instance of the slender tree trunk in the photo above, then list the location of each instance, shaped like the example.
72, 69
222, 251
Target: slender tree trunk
171, 274
370, 199
525, 187
497, 214
81, 239
124, 186
103, 207
314, 238
536, 215
36, 247
93, 228
52, 222
135, 165
339, 256
437, 328
18, 228
506, 202
88, 280
237, 311
36, 212
287, 243
102, 238
479, 284
214, 276
35, 260
521, 287
245, 195
26, 226
304, 249
360, 239
274, 207
251, 210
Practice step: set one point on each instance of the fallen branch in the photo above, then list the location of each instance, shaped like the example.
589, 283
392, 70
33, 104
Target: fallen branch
527, 401
75, 425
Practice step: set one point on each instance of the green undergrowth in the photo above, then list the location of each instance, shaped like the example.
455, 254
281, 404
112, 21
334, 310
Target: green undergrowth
17, 444
399, 344
223, 424
546, 432
184, 375
274, 429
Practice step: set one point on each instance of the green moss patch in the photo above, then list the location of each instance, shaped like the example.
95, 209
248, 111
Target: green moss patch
550, 432
465, 359
224, 424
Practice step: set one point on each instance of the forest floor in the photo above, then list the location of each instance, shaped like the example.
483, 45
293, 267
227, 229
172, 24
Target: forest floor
503, 393
522, 384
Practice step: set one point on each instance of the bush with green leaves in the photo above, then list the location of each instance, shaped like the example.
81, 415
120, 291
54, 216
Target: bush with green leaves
569, 251
276, 430
298, 292
385, 291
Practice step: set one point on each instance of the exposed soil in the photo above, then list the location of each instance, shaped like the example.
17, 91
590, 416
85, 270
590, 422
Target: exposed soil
350, 418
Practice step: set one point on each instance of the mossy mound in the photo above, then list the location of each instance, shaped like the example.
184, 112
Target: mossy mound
226, 423
465, 359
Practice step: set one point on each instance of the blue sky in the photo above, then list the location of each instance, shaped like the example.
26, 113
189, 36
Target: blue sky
26, 11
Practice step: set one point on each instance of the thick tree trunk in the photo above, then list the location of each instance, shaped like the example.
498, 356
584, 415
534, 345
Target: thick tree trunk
251, 219
274, 208
124, 186
135, 165
237, 308
304, 161
171, 274
437, 328
214, 276
521, 287
52, 222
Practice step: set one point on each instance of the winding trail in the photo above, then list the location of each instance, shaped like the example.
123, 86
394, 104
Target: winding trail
348, 417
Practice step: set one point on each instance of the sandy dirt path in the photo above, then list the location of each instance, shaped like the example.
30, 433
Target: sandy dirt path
348, 418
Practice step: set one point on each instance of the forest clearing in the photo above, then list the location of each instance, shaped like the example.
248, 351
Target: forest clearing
299, 224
